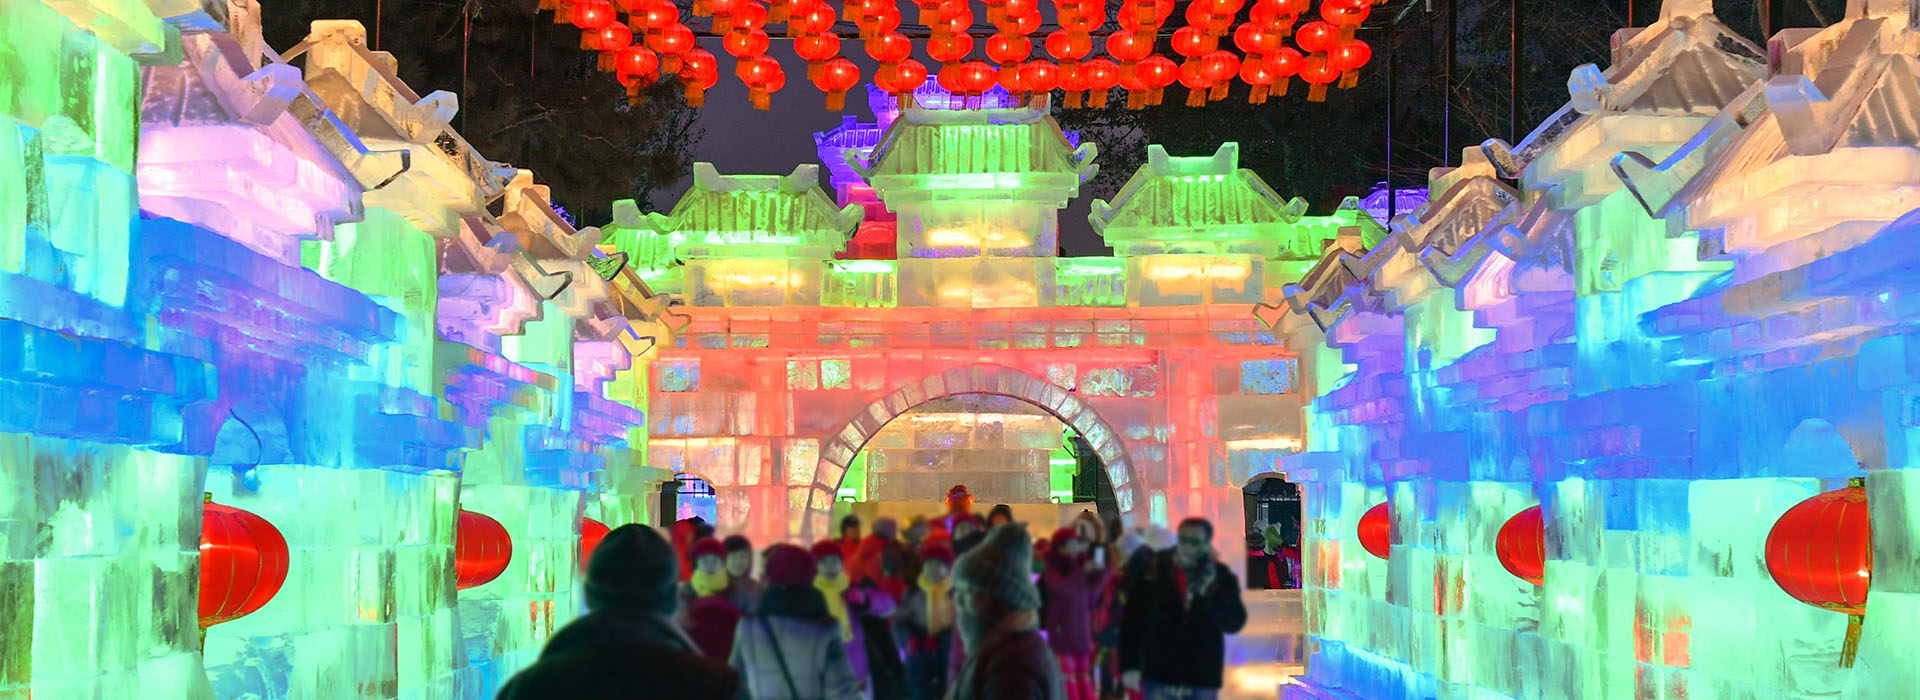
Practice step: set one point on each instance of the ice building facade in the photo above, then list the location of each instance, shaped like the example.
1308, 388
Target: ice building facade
810, 323
1675, 310
283, 283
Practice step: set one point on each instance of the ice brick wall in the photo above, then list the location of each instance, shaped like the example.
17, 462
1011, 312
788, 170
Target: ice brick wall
1666, 316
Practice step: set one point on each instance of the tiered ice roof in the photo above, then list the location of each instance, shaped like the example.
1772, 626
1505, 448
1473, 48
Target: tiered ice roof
1204, 205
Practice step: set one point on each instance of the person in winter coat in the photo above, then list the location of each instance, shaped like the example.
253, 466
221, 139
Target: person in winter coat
790, 647
998, 620
1001, 514
742, 588
707, 613
627, 639
925, 621
835, 585
1179, 612
959, 504
967, 532
1071, 585
849, 540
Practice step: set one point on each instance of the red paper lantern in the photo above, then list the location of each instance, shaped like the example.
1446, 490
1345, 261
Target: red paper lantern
1192, 42
1040, 76
1285, 64
908, 75
1004, 48
699, 72
591, 532
1129, 46
977, 77
481, 550
950, 49
1253, 39
1019, 8
1255, 73
1318, 73
1376, 531
657, 16
763, 77
1317, 37
1101, 75
243, 562
1157, 72
817, 20
745, 44
836, 78
639, 62
1522, 546
1347, 58
816, 50
892, 47
1068, 47
1821, 552
672, 43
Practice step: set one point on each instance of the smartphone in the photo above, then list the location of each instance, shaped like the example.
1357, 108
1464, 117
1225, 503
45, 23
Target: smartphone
1099, 556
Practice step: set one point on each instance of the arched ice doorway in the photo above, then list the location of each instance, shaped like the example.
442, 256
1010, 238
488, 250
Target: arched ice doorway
995, 380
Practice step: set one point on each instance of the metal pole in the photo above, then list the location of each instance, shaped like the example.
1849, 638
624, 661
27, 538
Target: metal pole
1393, 93
1446, 91
1513, 71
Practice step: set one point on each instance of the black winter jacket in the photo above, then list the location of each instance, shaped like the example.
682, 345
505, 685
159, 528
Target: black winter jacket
1173, 641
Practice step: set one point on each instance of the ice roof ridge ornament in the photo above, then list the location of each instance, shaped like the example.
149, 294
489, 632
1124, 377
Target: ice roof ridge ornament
1015, 154
1687, 63
1174, 200
742, 216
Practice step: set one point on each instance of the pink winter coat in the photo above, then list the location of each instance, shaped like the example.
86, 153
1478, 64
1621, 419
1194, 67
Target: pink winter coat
1071, 590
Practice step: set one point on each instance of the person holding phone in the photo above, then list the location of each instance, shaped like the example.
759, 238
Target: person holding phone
1071, 584
1178, 614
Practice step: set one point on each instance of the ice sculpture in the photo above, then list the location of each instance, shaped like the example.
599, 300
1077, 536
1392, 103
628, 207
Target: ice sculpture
1666, 334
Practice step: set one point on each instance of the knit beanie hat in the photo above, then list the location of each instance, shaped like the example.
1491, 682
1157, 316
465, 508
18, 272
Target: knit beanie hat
1002, 567
789, 565
828, 548
1061, 536
707, 547
634, 567
738, 543
937, 551
886, 527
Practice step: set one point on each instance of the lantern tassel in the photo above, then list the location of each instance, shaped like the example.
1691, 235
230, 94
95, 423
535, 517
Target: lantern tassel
1219, 91
722, 24
1851, 647
586, 40
1280, 86
1097, 98
1349, 79
836, 101
702, 8
761, 100
1258, 96
1136, 99
813, 70
606, 62
1197, 97
1317, 94
670, 64
696, 96
1073, 100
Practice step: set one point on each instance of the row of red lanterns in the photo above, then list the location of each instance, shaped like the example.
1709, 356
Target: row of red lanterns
653, 43
1820, 551
244, 558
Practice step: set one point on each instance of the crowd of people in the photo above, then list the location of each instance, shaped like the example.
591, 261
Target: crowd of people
949, 607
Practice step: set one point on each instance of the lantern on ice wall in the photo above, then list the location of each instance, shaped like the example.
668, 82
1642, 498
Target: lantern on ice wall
591, 532
1522, 546
1821, 553
243, 561
1376, 531
481, 550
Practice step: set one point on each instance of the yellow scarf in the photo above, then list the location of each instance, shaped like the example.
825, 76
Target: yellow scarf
705, 584
939, 603
834, 589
